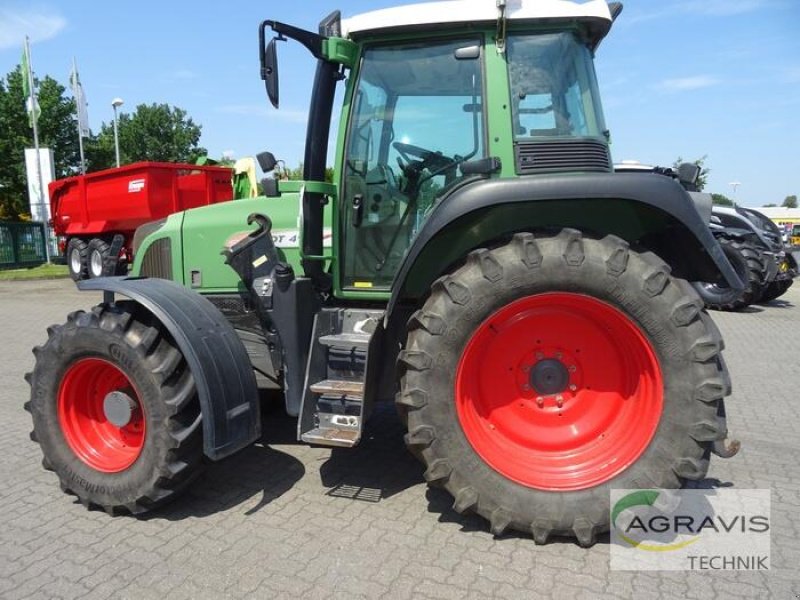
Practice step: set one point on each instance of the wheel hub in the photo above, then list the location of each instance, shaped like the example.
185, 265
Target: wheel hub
549, 376
75, 261
118, 408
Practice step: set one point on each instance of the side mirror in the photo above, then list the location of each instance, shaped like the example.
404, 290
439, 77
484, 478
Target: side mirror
270, 71
267, 161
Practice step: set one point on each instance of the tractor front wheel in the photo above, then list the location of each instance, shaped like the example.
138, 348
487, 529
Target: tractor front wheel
547, 371
115, 409
775, 289
748, 262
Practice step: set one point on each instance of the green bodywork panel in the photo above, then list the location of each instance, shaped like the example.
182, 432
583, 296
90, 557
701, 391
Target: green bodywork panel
205, 232
340, 50
171, 229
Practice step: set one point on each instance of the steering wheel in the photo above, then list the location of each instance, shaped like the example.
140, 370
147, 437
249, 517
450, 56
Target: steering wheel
418, 159
409, 151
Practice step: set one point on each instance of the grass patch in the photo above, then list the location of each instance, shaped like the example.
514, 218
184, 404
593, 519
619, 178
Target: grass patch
40, 272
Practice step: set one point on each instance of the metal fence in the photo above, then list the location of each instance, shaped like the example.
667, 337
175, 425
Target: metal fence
21, 245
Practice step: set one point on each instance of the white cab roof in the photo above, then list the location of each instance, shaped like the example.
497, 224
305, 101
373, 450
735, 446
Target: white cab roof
453, 12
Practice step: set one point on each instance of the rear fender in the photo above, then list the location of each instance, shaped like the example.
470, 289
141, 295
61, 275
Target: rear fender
216, 356
650, 211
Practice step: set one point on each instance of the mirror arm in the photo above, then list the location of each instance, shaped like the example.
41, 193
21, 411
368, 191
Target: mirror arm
312, 41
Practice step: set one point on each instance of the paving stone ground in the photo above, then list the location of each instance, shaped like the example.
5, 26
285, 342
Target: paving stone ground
276, 521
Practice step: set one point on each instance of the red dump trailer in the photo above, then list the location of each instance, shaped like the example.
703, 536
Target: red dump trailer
88, 210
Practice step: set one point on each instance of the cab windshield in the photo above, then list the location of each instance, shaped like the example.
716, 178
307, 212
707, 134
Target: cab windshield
416, 117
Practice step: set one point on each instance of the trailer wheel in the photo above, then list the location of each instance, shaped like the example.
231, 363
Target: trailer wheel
748, 262
115, 409
545, 372
98, 252
77, 254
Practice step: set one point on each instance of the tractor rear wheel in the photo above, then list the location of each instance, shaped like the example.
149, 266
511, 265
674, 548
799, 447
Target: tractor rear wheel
115, 409
748, 262
547, 371
98, 252
77, 258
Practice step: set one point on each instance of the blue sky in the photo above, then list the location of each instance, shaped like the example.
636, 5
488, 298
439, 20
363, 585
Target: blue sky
678, 77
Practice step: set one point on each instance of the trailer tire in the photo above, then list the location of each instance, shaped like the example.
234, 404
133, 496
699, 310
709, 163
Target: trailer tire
115, 409
748, 262
555, 312
77, 257
98, 253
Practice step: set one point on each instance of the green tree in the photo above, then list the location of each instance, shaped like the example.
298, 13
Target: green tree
721, 200
153, 132
702, 179
771, 205
57, 131
297, 173
790, 202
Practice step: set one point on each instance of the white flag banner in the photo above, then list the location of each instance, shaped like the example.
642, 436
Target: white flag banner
80, 102
39, 198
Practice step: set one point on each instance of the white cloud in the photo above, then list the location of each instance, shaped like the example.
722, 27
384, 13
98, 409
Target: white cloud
685, 84
38, 22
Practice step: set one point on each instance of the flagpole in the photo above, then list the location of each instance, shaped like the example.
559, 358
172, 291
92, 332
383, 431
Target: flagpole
42, 207
78, 113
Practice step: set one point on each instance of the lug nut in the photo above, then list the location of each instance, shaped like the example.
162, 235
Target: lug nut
526, 387
539, 401
559, 401
572, 368
559, 355
572, 387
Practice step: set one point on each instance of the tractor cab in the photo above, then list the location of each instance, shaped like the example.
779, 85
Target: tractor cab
498, 91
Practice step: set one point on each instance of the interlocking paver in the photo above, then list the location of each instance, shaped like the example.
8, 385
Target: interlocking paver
268, 522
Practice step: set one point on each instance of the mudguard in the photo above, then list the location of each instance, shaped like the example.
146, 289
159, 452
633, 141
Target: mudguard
650, 210
219, 363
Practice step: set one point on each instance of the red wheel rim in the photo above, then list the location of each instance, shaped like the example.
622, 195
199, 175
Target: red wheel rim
601, 419
88, 431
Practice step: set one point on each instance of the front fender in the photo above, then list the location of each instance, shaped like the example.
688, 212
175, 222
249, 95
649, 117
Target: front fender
218, 361
649, 210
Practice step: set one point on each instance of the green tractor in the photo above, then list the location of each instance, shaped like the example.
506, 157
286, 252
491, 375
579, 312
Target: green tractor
475, 260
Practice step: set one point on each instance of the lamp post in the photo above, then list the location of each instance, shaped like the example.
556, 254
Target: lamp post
116, 103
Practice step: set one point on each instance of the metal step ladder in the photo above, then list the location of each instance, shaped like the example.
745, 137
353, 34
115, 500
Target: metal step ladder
333, 410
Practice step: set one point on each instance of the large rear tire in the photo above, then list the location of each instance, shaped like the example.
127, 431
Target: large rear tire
545, 372
748, 262
115, 409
